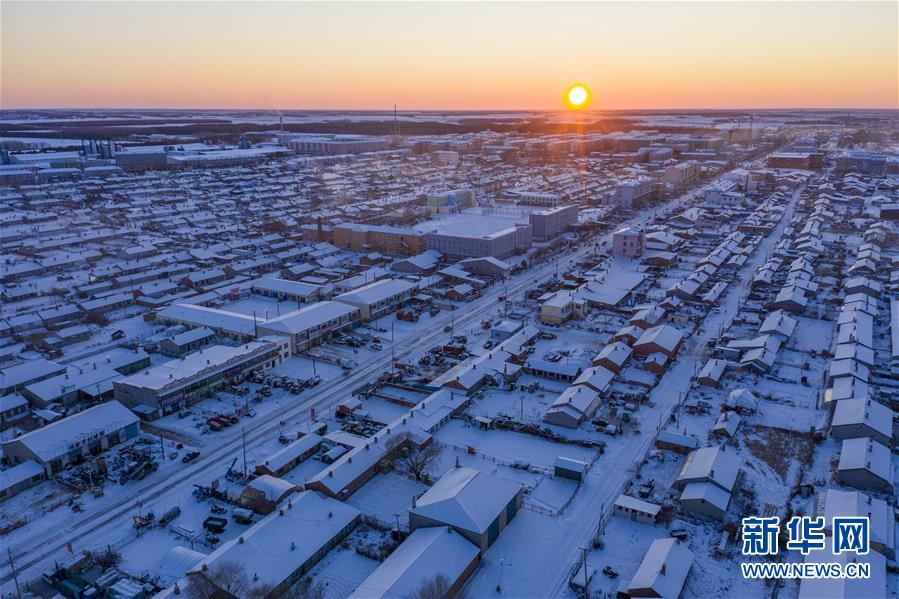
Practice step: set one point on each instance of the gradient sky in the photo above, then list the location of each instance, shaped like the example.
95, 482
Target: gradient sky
469, 55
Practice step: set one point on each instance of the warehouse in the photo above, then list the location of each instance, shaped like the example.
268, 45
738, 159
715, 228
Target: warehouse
279, 549
70, 440
176, 384
476, 505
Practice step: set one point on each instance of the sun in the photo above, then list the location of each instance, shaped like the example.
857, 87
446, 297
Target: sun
577, 96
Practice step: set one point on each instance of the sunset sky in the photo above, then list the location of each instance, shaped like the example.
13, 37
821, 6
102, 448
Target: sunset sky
469, 55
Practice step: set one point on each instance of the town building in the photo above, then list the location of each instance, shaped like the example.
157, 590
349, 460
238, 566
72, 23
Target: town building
312, 325
176, 384
74, 438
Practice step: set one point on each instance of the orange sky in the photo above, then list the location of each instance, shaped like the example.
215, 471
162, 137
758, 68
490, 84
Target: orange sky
458, 56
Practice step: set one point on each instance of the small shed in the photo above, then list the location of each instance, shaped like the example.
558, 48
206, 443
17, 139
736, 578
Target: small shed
636, 509
570, 468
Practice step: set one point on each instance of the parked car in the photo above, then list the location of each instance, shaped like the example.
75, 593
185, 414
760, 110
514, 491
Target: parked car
190, 456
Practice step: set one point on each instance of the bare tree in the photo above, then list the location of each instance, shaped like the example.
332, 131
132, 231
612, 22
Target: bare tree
408, 453
436, 587
224, 580
305, 589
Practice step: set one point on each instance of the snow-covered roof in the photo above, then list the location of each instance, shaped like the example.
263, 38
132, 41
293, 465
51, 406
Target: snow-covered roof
19, 473
665, 336
834, 502
291, 451
466, 498
664, 569
864, 411
272, 487
706, 493
712, 464
425, 554
57, 438
308, 317
202, 316
637, 505
177, 371
617, 353
596, 377
20, 374
778, 323
273, 549
375, 292
276, 285
866, 454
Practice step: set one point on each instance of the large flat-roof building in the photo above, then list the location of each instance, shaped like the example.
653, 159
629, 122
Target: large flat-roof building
321, 145
178, 383
477, 235
547, 224
396, 241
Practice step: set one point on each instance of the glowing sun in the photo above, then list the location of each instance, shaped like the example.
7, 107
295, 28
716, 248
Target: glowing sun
577, 96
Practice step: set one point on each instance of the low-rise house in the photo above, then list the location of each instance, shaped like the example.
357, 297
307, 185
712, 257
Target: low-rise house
188, 341
573, 406
663, 571
636, 509
20, 478
712, 371
474, 504
613, 356
570, 468
676, 442
865, 464
662, 338
378, 298
853, 418
707, 480
12, 408
855, 504
872, 587
561, 306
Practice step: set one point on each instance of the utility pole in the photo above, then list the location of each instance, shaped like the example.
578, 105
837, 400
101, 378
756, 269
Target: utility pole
15, 575
586, 580
243, 433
